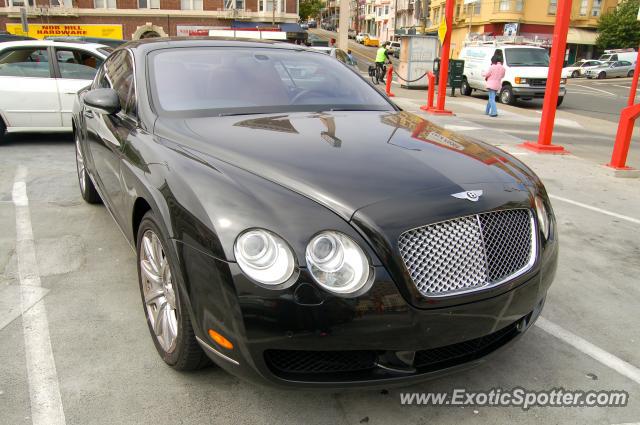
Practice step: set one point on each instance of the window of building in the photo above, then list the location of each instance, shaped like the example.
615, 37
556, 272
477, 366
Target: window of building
148, 4
264, 6
504, 5
553, 7
584, 6
21, 3
596, 7
458, 10
104, 4
191, 4
379, 9
386, 10
519, 5
474, 8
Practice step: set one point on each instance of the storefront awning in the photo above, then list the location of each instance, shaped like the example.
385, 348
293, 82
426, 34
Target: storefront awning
581, 36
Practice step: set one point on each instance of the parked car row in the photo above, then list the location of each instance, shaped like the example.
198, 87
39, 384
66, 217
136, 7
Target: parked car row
611, 70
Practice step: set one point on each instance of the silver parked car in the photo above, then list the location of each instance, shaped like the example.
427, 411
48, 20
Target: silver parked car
611, 70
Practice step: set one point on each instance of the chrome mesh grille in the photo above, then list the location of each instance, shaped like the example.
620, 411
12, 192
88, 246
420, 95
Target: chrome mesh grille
470, 252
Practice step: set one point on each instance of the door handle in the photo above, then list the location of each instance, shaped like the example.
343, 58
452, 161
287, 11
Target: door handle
88, 113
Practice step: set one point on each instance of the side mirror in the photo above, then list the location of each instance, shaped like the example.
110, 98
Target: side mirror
105, 101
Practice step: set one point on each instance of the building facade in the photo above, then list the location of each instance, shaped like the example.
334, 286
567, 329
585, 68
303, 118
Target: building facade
530, 19
134, 19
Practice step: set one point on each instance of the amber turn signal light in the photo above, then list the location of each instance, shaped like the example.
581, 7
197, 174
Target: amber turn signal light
220, 340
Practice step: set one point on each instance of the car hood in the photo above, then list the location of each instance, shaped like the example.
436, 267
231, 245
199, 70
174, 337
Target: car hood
346, 160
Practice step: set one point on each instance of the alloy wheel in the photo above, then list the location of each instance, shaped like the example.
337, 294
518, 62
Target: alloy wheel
82, 172
158, 291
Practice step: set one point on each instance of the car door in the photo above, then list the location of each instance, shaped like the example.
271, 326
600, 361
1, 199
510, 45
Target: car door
107, 134
75, 68
28, 92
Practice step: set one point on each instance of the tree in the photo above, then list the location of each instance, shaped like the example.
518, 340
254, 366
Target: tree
620, 28
310, 8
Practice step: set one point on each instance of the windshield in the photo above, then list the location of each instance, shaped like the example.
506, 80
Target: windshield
527, 57
234, 81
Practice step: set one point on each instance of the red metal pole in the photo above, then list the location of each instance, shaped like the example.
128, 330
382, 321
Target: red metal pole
444, 62
634, 83
389, 76
623, 137
430, 91
550, 103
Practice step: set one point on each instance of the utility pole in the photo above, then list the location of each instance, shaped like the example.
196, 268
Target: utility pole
273, 12
343, 25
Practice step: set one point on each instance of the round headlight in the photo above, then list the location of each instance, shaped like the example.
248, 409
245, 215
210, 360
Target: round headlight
543, 217
264, 257
337, 263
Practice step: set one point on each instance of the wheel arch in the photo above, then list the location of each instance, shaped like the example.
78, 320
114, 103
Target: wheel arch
140, 208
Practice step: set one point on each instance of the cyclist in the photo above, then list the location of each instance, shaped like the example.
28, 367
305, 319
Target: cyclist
382, 56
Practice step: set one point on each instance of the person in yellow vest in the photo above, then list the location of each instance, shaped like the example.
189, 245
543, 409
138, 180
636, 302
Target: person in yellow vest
382, 56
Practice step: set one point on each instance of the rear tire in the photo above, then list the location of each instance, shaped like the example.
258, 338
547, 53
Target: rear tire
166, 312
465, 88
87, 189
3, 130
602, 76
575, 74
630, 74
506, 95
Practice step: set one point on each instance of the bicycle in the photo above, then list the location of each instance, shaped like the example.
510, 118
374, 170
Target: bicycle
377, 73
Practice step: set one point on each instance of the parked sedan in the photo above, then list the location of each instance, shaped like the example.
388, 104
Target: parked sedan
361, 36
370, 40
294, 226
579, 68
39, 80
611, 70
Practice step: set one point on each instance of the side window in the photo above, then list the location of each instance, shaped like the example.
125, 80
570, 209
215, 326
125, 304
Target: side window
119, 73
77, 64
25, 62
626, 63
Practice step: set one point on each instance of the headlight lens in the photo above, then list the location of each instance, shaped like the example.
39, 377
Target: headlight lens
337, 263
543, 217
264, 256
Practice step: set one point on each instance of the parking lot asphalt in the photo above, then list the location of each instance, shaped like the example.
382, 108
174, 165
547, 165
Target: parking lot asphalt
99, 355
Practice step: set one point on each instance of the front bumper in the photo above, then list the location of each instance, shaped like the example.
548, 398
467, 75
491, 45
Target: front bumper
535, 92
305, 337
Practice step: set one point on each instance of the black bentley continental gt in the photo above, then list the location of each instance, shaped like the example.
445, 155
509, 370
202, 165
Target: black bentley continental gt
296, 227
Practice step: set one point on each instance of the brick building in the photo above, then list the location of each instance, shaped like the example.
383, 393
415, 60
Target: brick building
134, 19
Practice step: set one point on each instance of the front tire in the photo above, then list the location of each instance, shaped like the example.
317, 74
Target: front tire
630, 74
166, 311
465, 88
87, 189
575, 74
506, 95
602, 76
560, 100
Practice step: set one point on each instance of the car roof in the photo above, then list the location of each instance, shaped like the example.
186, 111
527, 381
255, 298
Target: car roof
150, 44
27, 43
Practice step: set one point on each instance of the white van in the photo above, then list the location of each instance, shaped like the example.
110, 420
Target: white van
618, 55
527, 68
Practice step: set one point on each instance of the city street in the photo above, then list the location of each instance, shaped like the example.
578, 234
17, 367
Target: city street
586, 123
108, 370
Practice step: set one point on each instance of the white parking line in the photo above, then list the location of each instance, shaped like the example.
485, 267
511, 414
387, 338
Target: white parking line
44, 391
590, 350
596, 209
593, 88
